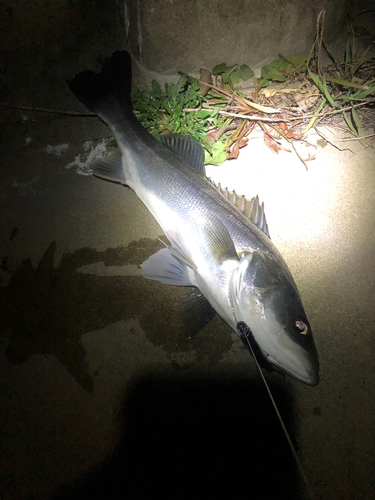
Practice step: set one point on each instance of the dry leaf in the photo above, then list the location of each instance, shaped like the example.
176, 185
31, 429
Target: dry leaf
204, 79
242, 142
271, 92
234, 152
272, 144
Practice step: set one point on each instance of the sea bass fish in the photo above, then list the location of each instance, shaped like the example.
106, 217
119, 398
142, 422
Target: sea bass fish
214, 246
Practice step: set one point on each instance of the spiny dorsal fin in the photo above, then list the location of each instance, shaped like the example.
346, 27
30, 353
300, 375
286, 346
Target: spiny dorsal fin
249, 207
186, 147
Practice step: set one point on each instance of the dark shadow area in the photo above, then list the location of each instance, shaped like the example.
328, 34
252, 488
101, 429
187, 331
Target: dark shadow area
47, 309
193, 439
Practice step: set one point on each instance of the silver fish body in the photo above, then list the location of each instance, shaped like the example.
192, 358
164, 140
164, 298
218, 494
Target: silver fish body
214, 246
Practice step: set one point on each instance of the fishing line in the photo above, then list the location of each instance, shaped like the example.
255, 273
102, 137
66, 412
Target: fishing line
244, 331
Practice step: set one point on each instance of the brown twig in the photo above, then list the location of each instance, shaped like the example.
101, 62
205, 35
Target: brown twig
319, 38
44, 110
254, 118
295, 150
329, 142
245, 102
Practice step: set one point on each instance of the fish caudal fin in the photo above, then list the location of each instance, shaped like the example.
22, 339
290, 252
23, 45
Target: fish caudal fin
108, 90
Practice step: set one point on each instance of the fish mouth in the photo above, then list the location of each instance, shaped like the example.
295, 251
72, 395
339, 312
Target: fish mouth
309, 376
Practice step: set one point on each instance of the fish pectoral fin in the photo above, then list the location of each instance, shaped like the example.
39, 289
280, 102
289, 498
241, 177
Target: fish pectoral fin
109, 167
219, 241
186, 147
166, 267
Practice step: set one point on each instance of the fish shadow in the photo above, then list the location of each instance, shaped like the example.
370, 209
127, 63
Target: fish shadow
196, 439
46, 309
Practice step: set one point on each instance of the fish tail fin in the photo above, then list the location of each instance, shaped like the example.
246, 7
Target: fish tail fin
108, 90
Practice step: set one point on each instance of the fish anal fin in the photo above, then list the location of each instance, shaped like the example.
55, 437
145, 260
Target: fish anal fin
109, 167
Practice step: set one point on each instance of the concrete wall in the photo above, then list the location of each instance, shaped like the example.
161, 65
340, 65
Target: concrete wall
44, 43
170, 35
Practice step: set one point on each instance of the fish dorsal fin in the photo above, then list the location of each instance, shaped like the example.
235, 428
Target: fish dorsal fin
251, 208
219, 241
109, 167
186, 147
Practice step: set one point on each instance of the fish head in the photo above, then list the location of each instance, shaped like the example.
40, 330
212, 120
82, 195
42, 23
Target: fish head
263, 295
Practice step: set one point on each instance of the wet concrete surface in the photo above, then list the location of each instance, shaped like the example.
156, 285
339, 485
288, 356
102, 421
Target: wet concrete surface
106, 390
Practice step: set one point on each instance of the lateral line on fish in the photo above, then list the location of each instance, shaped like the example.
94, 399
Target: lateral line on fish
286, 433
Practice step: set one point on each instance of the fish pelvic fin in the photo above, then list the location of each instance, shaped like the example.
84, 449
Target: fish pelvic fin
107, 89
172, 265
166, 267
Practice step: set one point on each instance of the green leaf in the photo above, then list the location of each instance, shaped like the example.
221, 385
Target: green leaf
349, 124
314, 118
181, 84
225, 76
178, 108
322, 86
316, 80
242, 73
327, 95
282, 69
216, 159
262, 83
310, 54
141, 107
345, 83
299, 61
156, 89
361, 94
219, 69
203, 114
215, 154
167, 106
356, 121
347, 56
246, 72
275, 70
173, 90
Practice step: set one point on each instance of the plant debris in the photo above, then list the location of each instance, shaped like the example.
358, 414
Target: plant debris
222, 117
293, 95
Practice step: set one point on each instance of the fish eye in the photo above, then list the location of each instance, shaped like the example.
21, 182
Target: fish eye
302, 327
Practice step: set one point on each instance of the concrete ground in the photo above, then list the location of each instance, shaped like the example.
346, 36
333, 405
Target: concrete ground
106, 393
